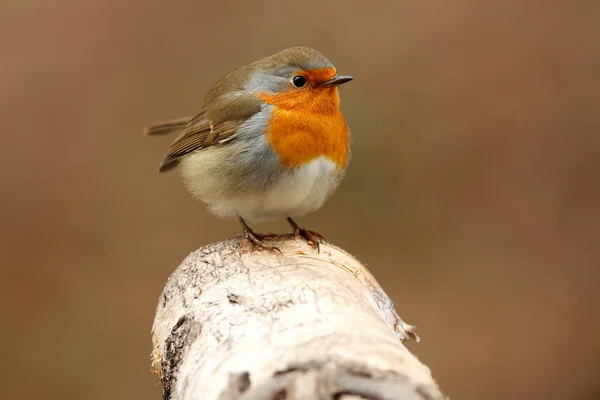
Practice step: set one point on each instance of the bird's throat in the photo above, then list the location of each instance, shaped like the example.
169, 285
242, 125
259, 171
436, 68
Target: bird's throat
306, 126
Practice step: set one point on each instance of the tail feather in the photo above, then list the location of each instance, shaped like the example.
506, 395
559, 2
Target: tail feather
166, 127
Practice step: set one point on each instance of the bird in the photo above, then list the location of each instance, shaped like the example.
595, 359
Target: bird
269, 142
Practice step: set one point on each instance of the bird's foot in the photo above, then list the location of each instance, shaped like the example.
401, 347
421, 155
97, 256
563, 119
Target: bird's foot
312, 238
257, 239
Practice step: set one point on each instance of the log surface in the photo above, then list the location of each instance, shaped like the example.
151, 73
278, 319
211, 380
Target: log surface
233, 323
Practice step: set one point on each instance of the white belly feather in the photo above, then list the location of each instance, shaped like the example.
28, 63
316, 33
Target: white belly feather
304, 190
289, 193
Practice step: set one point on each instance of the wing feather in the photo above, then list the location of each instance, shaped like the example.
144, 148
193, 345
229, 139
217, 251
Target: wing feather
166, 127
215, 125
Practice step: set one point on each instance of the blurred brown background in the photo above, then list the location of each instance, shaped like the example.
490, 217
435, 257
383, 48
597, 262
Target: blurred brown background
473, 195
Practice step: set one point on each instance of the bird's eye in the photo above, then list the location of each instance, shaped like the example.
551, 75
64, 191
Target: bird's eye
299, 81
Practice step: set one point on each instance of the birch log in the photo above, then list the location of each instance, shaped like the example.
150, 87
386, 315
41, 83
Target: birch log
233, 323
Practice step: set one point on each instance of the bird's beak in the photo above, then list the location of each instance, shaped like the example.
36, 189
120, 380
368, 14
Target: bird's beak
336, 80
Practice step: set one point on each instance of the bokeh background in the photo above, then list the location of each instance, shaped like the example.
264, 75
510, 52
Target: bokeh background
473, 195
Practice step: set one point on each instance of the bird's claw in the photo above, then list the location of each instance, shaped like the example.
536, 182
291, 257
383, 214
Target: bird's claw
256, 241
314, 239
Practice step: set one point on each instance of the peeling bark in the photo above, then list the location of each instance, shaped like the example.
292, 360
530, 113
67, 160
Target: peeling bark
239, 324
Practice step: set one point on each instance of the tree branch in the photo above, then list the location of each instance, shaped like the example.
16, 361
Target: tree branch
239, 324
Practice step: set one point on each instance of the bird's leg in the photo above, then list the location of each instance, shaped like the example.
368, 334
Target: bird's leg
311, 237
256, 239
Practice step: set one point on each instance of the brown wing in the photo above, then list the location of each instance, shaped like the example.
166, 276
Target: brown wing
198, 135
166, 127
217, 124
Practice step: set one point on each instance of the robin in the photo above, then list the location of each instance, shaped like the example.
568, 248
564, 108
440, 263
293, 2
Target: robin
269, 142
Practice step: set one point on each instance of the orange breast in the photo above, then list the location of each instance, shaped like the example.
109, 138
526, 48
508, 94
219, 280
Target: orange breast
307, 124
